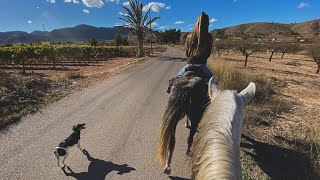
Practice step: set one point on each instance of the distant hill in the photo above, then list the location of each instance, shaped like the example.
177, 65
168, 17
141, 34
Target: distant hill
80, 33
305, 29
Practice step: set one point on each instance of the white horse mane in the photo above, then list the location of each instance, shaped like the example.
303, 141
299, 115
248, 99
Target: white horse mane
217, 146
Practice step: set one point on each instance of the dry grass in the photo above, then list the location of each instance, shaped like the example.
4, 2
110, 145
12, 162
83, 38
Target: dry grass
281, 131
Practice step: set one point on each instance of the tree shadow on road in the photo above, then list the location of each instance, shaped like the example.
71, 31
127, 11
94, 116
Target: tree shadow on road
98, 169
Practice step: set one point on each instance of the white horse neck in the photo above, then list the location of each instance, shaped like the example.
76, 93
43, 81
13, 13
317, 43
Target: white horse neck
220, 131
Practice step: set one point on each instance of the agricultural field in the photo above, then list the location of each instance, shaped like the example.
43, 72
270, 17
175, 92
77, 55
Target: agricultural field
281, 134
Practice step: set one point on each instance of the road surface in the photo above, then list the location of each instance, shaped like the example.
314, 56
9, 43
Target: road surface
123, 116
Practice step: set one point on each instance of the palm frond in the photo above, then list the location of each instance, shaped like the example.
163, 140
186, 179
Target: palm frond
151, 21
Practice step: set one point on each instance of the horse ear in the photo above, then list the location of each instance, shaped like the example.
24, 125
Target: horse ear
73, 127
248, 93
213, 87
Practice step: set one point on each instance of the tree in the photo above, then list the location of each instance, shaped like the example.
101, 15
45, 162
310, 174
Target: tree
93, 42
314, 53
137, 21
220, 45
247, 47
117, 39
285, 48
171, 36
273, 47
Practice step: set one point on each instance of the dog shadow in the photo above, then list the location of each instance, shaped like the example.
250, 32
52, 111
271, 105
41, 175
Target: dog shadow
98, 169
177, 178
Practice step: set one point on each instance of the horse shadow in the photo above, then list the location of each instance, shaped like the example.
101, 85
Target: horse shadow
177, 178
278, 162
98, 169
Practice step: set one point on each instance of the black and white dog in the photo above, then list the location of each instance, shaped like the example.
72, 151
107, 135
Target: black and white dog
73, 139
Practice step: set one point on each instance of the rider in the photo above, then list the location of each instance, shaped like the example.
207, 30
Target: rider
199, 46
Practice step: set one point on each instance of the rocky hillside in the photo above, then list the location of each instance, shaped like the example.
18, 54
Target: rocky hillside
306, 29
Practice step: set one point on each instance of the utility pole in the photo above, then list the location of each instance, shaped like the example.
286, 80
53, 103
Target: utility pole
151, 31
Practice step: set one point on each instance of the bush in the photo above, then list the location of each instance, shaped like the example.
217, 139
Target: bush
20, 95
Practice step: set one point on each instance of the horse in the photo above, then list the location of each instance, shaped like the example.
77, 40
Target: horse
216, 150
189, 96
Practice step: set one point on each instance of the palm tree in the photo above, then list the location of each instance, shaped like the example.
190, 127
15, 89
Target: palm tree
137, 21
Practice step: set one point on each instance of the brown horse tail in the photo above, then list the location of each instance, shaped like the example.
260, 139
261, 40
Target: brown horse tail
175, 111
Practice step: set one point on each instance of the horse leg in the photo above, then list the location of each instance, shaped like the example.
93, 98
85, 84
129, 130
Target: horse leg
195, 119
167, 168
187, 123
193, 131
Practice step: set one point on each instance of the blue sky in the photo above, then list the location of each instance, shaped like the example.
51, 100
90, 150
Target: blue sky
29, 15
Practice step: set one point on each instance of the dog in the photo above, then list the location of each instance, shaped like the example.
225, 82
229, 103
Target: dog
73, 139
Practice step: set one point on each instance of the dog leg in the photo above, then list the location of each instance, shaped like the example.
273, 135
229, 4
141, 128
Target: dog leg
58, 160
78, 145
58, 157
65, 157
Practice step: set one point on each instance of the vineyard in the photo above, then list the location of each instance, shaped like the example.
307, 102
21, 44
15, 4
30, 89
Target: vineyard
33, 56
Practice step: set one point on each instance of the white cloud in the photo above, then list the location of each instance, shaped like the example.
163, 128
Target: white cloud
168, 7
155, 6
179, 22
51, 1
303, 5
38, 7
116, 1
123, 14
154, 24
213, 20
162, 27
93, 3
86, 11
29, 22
126, 3
74, 1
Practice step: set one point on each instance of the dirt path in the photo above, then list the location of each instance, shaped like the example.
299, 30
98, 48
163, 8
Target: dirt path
123, 116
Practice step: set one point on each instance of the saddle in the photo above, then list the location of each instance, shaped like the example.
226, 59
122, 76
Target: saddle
195, 71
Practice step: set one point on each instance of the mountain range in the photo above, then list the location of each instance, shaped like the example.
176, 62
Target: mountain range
82, 33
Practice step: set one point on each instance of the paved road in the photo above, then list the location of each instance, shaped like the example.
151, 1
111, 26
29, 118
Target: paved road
123, 116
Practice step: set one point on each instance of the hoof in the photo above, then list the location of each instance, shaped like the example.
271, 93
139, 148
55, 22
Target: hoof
188, 153
167, 170
187, 126
62, 167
